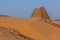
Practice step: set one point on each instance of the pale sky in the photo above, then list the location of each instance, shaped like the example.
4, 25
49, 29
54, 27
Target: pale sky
24, 8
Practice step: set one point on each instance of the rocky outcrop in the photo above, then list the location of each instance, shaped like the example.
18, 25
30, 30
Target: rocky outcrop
10, 34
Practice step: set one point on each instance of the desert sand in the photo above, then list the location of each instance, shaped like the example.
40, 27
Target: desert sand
38, 27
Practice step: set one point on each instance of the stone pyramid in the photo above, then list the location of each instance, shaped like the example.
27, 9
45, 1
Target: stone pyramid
40, 13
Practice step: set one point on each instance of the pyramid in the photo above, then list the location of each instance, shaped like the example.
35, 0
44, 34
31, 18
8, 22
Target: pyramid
40, 13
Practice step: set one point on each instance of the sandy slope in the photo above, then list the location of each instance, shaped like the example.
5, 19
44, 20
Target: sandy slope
38, 30
23, 26
48, 30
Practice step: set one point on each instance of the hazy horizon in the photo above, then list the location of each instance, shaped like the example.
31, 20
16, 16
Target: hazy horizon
24, 8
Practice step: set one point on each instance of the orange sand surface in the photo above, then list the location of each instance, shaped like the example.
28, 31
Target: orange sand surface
38, 30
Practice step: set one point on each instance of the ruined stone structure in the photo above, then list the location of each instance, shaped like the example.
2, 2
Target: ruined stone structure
40, 13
